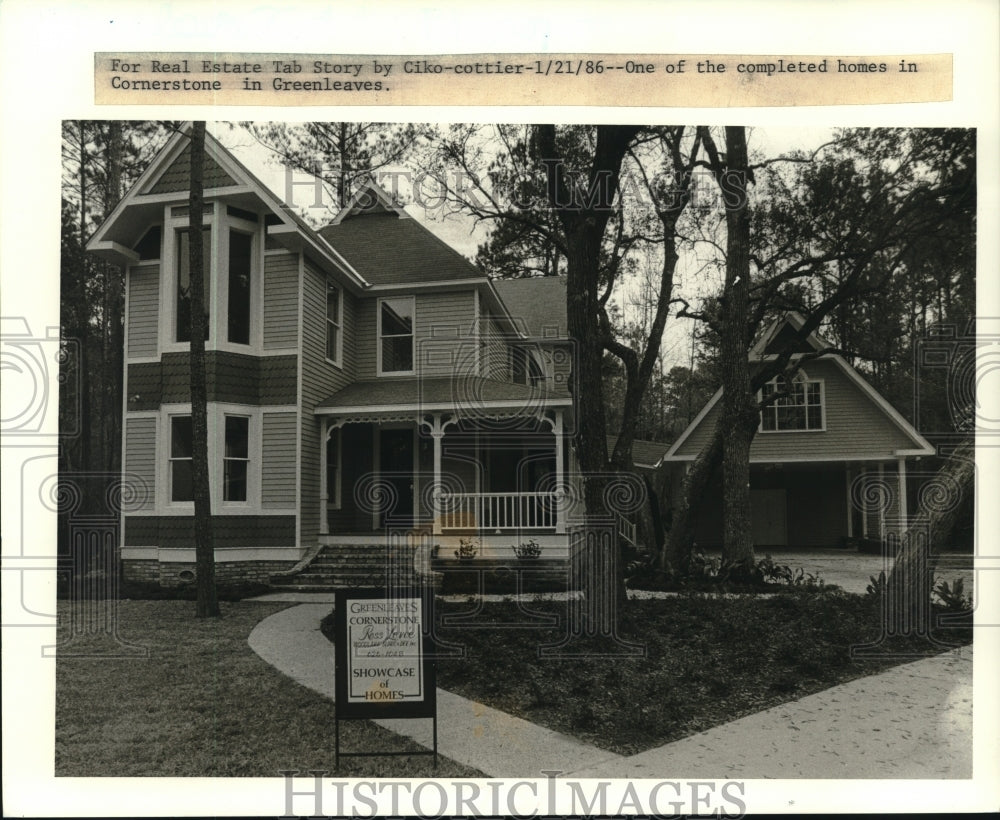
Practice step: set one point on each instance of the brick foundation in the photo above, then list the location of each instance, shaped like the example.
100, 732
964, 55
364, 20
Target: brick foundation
170, 574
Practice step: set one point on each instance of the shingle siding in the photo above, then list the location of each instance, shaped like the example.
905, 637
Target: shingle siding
231, 377
140, 458
143, 311
278, 460
281, 301
178, 176
177, 531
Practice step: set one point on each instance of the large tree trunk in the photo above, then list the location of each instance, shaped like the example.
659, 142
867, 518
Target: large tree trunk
739, 409
910, 583
208, 604
676, 557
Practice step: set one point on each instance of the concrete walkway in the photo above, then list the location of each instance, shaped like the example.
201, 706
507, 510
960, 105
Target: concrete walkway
913, 721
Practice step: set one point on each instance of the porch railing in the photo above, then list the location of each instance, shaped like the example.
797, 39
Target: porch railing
498, 511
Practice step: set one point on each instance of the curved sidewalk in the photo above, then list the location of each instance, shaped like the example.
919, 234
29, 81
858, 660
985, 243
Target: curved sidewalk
912, 721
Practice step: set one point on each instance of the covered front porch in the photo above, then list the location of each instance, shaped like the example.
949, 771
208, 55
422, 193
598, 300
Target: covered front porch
498, 478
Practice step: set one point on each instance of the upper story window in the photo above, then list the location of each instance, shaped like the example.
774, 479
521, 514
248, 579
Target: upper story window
524, 367
229, 251
395, 332
183, 315
240, 274
334, 322
800, 409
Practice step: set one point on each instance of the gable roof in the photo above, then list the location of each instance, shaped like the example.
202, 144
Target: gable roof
164, 181
389, 250
782, 332
891, 420
537, 303
388, 247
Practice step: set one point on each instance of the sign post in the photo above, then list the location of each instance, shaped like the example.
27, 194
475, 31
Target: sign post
383, 665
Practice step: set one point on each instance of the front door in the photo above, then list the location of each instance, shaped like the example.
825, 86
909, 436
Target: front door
396, 453
769, 520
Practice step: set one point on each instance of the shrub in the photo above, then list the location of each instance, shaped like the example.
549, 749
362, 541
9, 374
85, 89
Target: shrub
467, 548
953, 598
528, 549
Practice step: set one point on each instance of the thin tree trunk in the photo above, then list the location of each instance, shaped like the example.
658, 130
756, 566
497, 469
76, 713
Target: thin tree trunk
208, 604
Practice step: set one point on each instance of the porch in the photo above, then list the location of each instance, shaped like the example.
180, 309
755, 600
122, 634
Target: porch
498, 477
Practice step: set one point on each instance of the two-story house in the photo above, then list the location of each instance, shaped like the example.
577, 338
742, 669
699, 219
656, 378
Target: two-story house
363, 380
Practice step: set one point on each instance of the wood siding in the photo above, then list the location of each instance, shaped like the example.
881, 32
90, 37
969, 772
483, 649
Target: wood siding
278, 460
143, 311
281, 301
855, 426
140, 458
443, 334
320, 378
497, 357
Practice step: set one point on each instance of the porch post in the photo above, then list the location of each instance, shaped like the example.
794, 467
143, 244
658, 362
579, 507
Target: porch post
901, 481
437, 433
850, 511
557, 430
324, 491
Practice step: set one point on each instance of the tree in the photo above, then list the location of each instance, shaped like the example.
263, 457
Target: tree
339, 153
846, 228
208, 604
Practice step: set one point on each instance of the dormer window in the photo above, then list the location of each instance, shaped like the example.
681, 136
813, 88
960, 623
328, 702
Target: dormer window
799, 409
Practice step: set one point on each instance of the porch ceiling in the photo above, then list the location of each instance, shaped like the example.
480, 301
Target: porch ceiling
465, 396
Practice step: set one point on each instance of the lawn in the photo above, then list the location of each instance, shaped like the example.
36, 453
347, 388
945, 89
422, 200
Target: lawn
708, 659
202, 704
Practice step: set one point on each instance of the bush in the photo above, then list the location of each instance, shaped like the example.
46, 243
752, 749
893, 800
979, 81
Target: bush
528, 549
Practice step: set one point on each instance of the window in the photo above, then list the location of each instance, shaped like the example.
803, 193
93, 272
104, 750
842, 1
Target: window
240, 266
334, 321
524, 368
181, 449
396, 335
333, 469
183, 329
236, 459
801, 409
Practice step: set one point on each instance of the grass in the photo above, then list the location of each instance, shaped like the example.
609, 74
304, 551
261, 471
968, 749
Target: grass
202, 704
708, 660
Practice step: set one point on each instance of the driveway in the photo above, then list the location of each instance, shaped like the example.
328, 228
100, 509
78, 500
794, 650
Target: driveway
853, 570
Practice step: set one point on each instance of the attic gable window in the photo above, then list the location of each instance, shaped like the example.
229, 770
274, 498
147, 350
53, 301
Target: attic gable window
395, 330
800, 410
